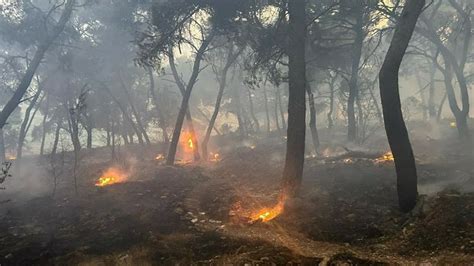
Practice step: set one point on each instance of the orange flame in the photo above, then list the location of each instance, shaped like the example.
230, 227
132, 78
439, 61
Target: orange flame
215, 157
386, 157
111, 176
190, 143
160, 157
268, 214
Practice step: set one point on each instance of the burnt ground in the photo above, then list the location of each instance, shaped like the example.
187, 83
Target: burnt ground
346, 213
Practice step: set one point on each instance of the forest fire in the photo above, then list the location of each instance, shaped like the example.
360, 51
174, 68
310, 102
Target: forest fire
160, 157
386, 157
111, 176
267, 214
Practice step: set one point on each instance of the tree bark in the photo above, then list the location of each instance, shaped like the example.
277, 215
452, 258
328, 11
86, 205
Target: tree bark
353, 82
44, 131
395, 128
185, 103
280, 108
331, 106
56, 138
295, 146
312, 120
2, 147
275, 113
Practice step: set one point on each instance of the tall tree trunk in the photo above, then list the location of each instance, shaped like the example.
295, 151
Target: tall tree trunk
395, 128
239, 113
295, 146
459, 115
109, 137
24, 124
252, 112
431, 94
139, 123
458, 67
43, 125
353, 82
185, 103
25, 81
275, 113
182, 88
441, 105
89, 130
280, 107
423, 107
56, 138
2, 147
331, 106
161, 118
267, 112
312, 120
231, 57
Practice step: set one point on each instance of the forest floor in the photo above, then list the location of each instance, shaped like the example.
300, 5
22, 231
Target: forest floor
187, 214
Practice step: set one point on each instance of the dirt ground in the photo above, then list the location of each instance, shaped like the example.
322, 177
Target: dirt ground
346, 213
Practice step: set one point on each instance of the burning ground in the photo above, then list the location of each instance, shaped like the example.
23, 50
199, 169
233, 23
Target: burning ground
229, 211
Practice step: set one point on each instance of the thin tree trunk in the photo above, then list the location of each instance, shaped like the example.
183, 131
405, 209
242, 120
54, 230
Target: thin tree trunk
431, 95
312, 120
189, 120
156, 101
44, 131
441, 105
395, 128
459, 115
231, 57
353, 82
24, 124
331, 106
267, 112
127, 118
2, 147
238, 112
140, 126
280, 106
252, 112
56, 138
295, 146
422, 97
275, 113
185, 103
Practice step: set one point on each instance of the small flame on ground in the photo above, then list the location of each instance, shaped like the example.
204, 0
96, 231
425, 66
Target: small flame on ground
215, 157
160, 157
268, 214
111, 176
386, 157
348, 161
